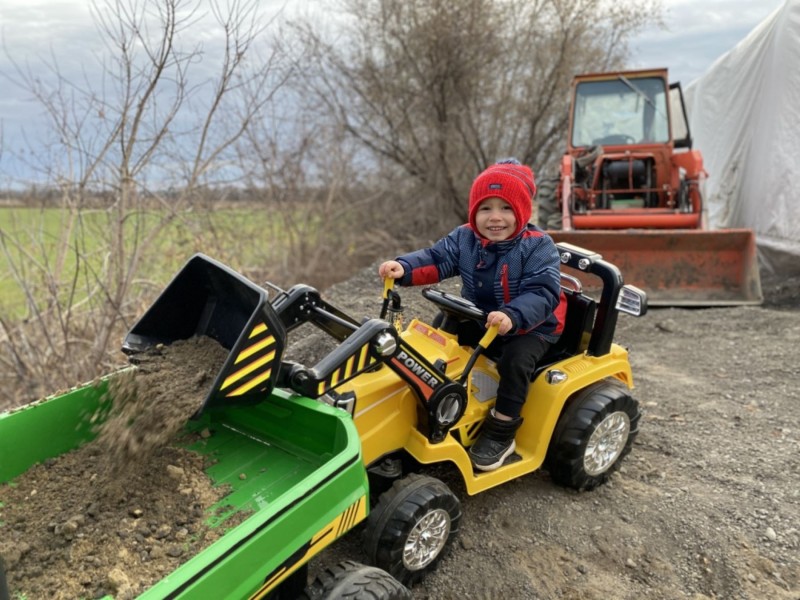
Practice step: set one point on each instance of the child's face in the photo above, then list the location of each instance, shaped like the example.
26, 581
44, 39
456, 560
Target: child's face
495, 219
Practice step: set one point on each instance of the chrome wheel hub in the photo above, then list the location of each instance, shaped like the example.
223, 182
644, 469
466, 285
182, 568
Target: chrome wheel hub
426, 540
606, 443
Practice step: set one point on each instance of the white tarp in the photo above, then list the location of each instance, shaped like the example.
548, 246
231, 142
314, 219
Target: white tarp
744, 115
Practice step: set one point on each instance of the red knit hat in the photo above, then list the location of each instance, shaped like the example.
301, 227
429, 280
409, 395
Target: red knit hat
509, 180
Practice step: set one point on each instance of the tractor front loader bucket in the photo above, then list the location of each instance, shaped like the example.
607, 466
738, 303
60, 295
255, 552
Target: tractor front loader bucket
680, 267
206, 298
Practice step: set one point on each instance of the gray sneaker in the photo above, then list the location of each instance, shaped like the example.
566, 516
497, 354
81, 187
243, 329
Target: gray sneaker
495, 443
488, 455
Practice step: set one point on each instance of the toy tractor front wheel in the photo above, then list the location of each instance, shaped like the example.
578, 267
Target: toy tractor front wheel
411, 526
593, 435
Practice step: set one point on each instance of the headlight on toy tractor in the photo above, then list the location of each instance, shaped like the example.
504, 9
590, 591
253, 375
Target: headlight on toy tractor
632, 300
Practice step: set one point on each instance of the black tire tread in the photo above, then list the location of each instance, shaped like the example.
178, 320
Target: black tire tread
564, 459
548, 215
350, 580
396, 509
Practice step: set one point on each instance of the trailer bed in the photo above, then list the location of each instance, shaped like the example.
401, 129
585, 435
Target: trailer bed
291, 464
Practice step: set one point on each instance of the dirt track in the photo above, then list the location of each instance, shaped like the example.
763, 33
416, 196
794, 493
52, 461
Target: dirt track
706, 506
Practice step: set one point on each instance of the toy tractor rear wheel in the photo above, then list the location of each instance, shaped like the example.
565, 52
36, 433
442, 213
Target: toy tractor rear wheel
350, 579
595, 432
411, 526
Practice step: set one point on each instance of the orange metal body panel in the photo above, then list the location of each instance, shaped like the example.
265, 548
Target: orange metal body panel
680, 268
692, 161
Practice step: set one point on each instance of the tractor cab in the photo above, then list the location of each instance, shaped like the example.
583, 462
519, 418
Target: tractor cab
622, 138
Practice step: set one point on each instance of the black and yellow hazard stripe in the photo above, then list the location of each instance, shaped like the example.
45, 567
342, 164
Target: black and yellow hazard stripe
253, 366
359, 361
339, 525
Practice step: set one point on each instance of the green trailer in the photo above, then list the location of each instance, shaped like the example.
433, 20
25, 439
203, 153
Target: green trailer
305, 483
291, 465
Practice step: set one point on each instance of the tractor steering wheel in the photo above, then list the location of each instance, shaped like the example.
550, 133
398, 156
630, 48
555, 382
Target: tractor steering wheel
454, 306
615, 139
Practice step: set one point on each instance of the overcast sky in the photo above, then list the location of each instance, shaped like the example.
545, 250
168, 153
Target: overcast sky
697, 33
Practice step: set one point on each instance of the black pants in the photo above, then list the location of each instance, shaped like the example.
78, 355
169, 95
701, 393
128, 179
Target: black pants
516, 356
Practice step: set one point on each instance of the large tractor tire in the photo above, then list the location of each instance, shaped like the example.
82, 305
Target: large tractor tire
594, 433
548, 215
411, 526
353, 581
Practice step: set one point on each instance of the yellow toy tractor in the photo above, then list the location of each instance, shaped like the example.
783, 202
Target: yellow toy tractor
416, 396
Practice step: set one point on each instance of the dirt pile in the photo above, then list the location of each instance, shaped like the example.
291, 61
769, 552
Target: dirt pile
153, 402
116, 515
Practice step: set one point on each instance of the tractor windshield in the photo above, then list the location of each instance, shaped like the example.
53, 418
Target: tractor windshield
620, 111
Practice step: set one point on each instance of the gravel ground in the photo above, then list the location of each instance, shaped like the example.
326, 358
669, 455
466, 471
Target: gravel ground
707, 505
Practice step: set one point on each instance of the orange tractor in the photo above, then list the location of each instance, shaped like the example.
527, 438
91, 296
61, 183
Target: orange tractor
629, 189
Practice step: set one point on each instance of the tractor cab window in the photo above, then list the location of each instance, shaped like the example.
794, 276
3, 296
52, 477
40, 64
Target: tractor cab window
620, 111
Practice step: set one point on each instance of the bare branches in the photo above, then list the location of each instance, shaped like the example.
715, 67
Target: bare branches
406, 100
441, 89
160, 111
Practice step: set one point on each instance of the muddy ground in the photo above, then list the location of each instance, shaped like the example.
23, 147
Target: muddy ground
707, 505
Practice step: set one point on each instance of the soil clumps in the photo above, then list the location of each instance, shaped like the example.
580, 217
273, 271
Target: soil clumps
118, 514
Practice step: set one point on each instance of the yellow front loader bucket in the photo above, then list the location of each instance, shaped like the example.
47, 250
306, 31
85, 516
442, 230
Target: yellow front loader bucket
680, 267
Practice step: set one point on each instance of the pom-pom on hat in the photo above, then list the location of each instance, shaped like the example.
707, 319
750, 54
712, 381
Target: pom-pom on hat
509, 180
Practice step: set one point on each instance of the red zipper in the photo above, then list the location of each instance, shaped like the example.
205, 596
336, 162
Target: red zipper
504, 283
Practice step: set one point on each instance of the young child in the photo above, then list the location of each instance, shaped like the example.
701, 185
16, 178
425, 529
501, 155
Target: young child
510, 269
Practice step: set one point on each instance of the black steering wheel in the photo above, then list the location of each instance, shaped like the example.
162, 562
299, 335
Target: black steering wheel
454, 306
615, 139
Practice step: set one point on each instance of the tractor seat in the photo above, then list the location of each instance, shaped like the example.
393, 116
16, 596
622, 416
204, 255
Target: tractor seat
574, 338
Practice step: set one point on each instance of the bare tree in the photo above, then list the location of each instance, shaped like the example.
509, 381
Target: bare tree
311, 184
165, 113
439, 89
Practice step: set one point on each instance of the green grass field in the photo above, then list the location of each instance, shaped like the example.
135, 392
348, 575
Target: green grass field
38, 246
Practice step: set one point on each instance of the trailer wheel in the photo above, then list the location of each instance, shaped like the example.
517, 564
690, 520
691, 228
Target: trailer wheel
354, 581
411, 526
289, 589
594, 433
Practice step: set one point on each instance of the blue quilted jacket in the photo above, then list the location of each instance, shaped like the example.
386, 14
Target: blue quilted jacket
520, 277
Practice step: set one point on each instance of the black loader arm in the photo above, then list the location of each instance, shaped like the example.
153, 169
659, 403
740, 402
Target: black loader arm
374, 343
303, 304
371, 344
